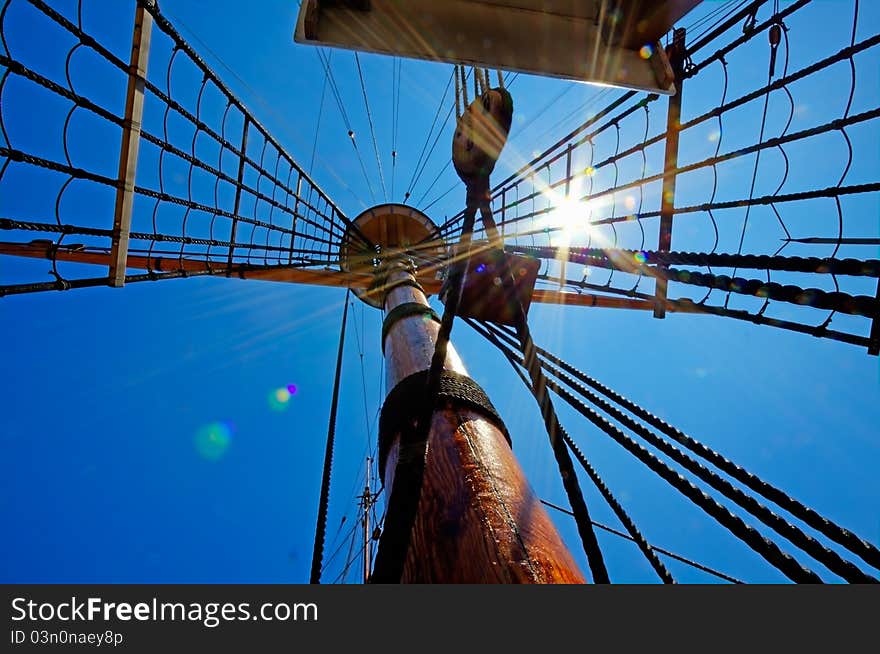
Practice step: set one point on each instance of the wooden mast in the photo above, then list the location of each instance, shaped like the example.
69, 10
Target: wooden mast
478, 519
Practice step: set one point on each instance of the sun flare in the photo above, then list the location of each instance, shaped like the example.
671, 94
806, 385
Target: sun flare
568, 222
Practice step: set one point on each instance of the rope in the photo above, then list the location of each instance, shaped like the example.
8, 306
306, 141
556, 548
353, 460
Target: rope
405, 310
659, 550
404, 400
412, 181
635, 535
828, 557
301, 221
396, 70
868, 552
551, 422
357, 60
320, 114
324, 500
328, 71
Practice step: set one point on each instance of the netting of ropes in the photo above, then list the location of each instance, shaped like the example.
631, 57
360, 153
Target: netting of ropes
769, 200
215, 193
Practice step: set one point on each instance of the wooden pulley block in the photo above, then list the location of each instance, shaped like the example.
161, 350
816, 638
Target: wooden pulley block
480, 135
486, 296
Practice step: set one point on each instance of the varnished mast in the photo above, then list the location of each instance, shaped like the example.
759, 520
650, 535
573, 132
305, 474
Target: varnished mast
478, 520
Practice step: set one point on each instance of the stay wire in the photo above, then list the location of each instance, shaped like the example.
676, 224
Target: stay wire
328, 69
396, 71
357, 60
412, 181
660, 550
318, 122
428, 157
742, 235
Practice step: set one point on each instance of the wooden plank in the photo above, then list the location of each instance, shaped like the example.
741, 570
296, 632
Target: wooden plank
667, 201
567, 40
239, 182
128, 152
318, 277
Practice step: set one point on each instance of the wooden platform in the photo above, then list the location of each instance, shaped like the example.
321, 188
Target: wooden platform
611, 42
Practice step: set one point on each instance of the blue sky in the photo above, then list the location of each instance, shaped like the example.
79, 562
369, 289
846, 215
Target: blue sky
109, 394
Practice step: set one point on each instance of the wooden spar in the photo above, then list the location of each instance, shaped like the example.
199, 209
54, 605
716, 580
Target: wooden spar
128, 152
318, 277
667, 199
478, 520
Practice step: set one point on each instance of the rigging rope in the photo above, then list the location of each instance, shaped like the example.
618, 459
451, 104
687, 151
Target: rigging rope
551, 422
318, 122
742, 235
412, 181
851, 541
328, 70
828, 557
396, 70
357, 60
660, 550
324, 500
635, 535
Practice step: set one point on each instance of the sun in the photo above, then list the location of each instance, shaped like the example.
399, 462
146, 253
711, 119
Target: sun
568, 222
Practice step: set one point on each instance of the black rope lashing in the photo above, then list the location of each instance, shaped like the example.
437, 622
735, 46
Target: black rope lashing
324, 499
401, 407
382, 289
406, 310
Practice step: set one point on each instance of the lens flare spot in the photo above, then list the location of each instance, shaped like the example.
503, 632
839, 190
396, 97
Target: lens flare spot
213, 440
640, 257
646, 51
630, 202
291, 388
279, 399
